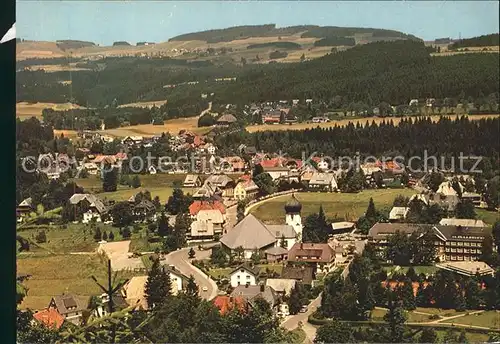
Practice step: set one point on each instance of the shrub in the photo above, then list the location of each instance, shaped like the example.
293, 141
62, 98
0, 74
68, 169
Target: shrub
41, 237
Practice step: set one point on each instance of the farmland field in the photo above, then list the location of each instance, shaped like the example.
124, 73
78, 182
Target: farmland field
347, 205
344, 122
172, 126
26, 110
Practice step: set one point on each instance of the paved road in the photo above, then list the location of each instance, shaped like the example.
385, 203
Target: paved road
180, 260
292, 322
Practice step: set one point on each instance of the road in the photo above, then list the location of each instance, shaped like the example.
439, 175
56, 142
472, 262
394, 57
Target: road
292, 321
180, 260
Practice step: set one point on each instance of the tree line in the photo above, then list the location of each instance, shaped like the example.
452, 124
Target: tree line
480, 41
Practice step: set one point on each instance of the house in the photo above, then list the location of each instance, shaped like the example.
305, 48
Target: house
192, 181
473, 197
210, 148
233, 164
282, 286
413, 102
272, 117
49, 317
69, 306
462, 222
244, 275
398, 213
446, 189
24, 209
320, 119
133, 290
208, 191
469, 269
226, 120
246, 189
303, 274
227, 303
223, 182
323, 182
201, 231
208, 222
343, 227
252, 292
277, 172
251, 234
276, 254
92, 168
452, 243
197, 206
144, 209
92, 206
320, 256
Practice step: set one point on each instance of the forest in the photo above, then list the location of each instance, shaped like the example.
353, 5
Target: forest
480, 41
334, 41
335, 31
278, 45
393, 72
411, 137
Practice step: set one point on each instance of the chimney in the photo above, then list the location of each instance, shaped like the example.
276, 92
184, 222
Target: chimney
262, 287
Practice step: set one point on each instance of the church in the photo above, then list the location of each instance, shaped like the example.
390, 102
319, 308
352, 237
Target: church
251, 234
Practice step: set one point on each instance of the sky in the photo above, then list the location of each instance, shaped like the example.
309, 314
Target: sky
104, 22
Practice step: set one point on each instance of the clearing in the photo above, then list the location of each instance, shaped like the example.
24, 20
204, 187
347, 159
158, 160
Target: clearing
25, 110
489, 319
172, 126
156, 103
347, 205
344, 122
488, 216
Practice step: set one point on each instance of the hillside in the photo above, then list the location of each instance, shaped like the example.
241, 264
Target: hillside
308, 31
480, 41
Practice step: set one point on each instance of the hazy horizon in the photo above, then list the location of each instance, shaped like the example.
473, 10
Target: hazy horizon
105, 22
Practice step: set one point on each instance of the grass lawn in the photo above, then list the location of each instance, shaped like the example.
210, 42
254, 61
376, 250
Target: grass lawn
347, 205
439, 311
488, 216
472, 337
486, 319
74, 238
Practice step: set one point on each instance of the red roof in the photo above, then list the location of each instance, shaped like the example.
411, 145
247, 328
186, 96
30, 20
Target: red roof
50, 317
198, 141
245, 177
393, 285
196, 206
227, 303
272, 162
121, 156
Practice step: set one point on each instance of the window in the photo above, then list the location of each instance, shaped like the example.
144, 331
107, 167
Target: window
248, 277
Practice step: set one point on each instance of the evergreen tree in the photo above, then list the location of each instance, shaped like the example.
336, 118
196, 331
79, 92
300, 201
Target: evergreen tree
136, 182
496, 235
191, 287
462, 338
111, 236
424, 295
104, 235
487, 250
162, 226
110, 178
295, 300
396, 318
405, 292
157, 203
334, 332
472, 294
126, 234
181, 227
465, 210
158, 285
428, 335
283, 241
371, 212
97, 234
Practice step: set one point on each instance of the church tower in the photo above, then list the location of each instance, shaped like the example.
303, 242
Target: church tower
292, 217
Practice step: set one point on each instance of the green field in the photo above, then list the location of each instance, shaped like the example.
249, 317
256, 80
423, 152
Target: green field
488, 216
346, 205
378, 315
57, 274
489, 319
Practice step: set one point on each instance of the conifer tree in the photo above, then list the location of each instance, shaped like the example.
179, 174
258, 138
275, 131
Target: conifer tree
158, 286
191, 287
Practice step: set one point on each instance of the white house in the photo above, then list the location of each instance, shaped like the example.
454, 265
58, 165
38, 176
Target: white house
95, 208
398, 213
244, 275
323, 181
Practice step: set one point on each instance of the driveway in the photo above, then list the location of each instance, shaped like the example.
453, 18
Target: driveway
180, 260
292, 322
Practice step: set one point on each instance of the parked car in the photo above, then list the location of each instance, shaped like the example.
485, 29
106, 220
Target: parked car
303, 309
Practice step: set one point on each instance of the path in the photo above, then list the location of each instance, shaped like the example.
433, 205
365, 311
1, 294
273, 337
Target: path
292, 322
180, 260
206, 110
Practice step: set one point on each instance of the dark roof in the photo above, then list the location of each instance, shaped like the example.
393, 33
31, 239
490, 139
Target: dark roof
293, 205
67, 303
299, 273
146, 205
381, 230
322, 253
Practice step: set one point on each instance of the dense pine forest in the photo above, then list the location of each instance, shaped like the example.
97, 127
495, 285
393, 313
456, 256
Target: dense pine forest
411, 137
393, 72
481, 41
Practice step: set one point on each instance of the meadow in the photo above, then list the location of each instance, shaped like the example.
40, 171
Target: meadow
25, 110
344, 122
346, 205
